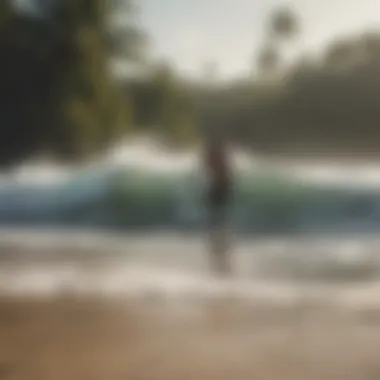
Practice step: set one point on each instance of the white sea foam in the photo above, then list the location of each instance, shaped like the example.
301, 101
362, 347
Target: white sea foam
148, 154
164, 267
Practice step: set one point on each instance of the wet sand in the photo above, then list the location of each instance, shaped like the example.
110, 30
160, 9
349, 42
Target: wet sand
95, 314
77, 338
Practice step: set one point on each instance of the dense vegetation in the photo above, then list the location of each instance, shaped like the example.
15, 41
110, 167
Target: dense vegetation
61, 97
327, 104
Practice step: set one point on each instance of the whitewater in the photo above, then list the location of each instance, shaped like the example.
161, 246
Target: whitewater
132, 224
141, 185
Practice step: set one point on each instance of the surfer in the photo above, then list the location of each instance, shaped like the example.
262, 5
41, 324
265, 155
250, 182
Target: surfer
217, 200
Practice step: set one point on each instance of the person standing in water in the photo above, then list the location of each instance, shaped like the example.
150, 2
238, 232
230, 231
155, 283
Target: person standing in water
218, 196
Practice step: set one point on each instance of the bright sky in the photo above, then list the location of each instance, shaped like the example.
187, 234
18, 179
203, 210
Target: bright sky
191, 32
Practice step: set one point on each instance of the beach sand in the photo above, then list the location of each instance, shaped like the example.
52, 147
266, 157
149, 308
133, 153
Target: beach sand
87, 338
77, 314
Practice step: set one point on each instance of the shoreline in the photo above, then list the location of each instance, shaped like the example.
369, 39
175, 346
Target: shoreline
70, 338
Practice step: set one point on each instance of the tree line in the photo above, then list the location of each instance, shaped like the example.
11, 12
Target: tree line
61, 96
322, 105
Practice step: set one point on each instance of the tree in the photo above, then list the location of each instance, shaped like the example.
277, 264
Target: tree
321, 106
283, 25
5, 11
58, 94
128, 42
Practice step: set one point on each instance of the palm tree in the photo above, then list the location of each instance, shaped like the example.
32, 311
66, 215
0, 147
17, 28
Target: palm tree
283, 25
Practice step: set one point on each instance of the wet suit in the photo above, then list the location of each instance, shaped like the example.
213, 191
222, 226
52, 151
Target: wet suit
217, 198
219, 187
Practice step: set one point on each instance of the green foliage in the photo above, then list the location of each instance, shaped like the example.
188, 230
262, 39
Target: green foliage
283, 24
57, 93
93, 109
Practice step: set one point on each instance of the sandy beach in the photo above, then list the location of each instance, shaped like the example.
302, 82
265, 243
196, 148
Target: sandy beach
67, 338
148, 310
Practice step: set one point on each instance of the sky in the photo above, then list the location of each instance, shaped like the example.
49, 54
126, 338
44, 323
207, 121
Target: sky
190, 33
229, 32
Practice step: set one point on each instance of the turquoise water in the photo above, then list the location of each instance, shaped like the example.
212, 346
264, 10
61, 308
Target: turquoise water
132, 198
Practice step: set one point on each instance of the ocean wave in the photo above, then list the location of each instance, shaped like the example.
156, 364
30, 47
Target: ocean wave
143, 186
